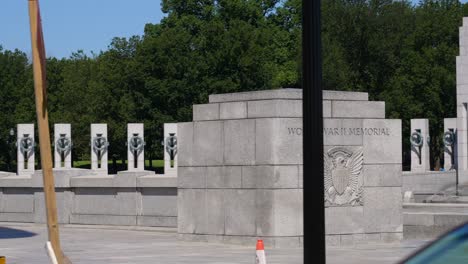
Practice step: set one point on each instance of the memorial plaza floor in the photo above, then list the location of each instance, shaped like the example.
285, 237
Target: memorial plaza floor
24, 244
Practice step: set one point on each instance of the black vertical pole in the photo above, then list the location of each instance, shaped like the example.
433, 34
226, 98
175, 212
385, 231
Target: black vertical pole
314, 211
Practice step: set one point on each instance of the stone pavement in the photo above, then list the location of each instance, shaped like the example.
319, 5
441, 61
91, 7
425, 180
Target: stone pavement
24, 244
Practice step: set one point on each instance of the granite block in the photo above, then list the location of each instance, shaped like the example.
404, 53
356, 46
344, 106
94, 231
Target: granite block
332, 240
346, 132
388, 175
269, 176
64, 205
17, 200
327, 109
185, 144
105, 201
420, 219
240, 212
233, 110
161, 181
288, 212
239, 142
274, 108
391, 237
301, 176
462, 137
265, 203
372, 237
192, 177
243, 240
203, 112
344, 220
208, 147
215, 211
278, 141
382, 141
450, 220
224, 177
16, 181
191, 211
424, 232
257, 95
159, 202
283, 242
60, 180
157, 221
17, 217
94, 219
347, 240
358, 109
286, 93
201, 238
382, 209
126, 179
345, 95
92, 181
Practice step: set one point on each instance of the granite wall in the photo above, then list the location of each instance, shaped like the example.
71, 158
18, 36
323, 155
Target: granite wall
240, 169
86, 198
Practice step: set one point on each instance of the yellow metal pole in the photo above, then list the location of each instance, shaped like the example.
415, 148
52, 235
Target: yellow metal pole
2, 260
39, 61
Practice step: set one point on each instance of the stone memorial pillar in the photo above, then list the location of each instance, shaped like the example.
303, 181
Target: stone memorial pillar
240, 170
420, 141
462, 104
25, 147
62, 146
450, 143
136, 147
170, 149
99, 148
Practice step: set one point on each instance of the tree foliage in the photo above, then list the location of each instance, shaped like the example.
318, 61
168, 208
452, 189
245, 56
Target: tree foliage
400, 53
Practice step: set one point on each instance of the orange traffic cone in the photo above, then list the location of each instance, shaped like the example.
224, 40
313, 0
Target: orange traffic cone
260, 259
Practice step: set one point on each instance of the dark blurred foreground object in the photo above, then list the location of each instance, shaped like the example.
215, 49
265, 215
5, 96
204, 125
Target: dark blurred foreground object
451, 247
314, 224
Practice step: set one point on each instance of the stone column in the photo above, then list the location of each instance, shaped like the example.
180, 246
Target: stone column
462, 103
170, 149
25, 146
62, 146
420, 152
450, 150
135, 147
99, 148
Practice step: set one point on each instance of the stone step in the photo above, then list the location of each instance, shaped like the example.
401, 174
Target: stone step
430, 220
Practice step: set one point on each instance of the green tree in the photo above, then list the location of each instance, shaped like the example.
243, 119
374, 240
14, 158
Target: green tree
15, 81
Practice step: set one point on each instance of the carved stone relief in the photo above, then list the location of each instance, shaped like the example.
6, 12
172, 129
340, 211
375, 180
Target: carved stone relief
343, 176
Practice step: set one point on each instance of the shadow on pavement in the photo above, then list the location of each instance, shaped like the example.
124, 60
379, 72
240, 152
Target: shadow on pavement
8, 233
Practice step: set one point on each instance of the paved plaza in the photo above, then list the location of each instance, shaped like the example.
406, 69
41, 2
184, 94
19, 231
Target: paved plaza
23, 243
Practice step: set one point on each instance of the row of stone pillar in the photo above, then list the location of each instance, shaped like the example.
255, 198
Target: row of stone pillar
420, 144
99, 148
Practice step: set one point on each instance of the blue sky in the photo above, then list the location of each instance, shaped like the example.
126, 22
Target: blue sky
71, 25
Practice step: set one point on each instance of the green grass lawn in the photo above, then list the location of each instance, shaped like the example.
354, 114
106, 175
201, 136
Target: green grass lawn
87, 163
158, 166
